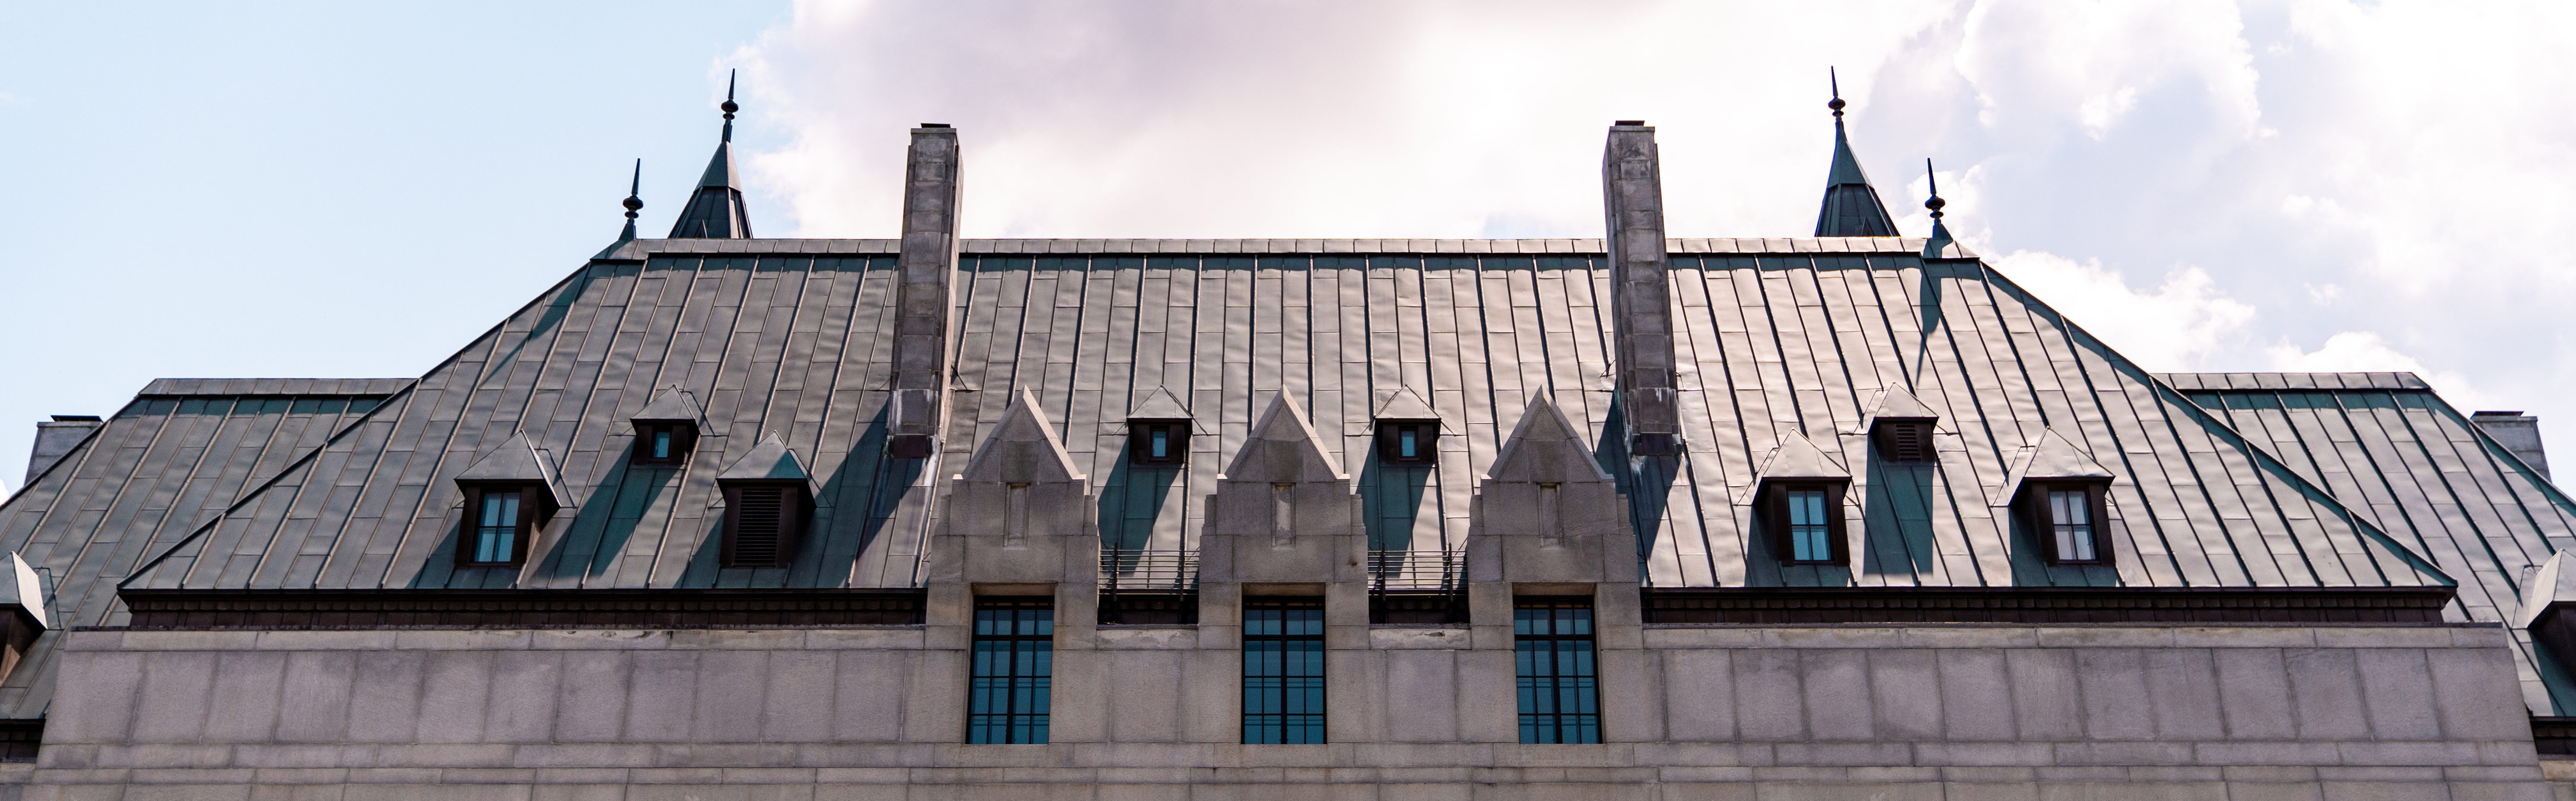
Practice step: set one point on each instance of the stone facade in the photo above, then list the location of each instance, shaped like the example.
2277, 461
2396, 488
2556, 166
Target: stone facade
1971, 711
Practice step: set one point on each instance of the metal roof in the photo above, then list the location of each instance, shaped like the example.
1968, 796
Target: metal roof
1794, 341
2401, 457
160, 467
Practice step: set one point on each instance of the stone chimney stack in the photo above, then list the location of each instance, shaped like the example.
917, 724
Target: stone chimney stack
926, 268
2517, 432
56, 439
1632, 188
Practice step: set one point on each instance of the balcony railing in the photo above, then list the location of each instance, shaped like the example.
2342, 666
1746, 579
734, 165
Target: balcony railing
1137, 571
1417, 571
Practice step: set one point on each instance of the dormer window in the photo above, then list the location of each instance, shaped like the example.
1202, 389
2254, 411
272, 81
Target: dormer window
1408, 431
1158, 431
509, 494
663, 444
666, 429
1903, 441
2068, 517
1805, 521
767, 503
1408, 443
498, 519
1158, 443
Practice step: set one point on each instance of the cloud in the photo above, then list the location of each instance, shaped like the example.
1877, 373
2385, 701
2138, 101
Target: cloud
2170, 330
2367, 352
1433, 119
2398, 162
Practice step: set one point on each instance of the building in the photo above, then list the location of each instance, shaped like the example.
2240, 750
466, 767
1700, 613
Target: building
1634, 517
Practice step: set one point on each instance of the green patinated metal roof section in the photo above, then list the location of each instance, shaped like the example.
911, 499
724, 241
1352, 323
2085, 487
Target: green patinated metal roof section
1777, 338
2399, 456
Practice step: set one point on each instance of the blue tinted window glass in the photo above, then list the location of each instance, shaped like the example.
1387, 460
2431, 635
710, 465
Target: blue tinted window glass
1012, 670
1283, 670
1558, 687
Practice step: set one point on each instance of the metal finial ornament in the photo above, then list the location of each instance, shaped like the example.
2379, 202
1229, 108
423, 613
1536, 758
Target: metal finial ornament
729, 107
1934, 181
1837, 103
635, 192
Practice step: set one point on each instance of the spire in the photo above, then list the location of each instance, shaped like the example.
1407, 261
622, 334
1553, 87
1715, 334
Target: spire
1940, 246
715, 211
1851, 206
634, 202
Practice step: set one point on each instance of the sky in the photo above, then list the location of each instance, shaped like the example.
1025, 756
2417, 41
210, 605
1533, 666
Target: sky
346, 190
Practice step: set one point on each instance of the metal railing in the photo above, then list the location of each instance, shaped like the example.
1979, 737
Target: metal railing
1439, 571
1148, 570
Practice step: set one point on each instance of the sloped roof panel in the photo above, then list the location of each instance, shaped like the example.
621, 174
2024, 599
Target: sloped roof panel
2402, 458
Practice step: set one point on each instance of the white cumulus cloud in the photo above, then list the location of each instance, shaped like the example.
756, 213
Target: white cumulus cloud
2171, 329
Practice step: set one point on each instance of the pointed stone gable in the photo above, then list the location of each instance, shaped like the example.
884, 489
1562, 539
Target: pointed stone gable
517, 462
768, 461
1545, 447
1023, 449
1019, 513
1284, 448
1546, 511
1283, 511
1160, 405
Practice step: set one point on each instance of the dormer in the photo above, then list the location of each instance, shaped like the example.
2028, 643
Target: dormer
1800, 499
1900, 429
509, 493
28, 599
768, 499
1408, 431
1158, 431
667, 429
2064, 495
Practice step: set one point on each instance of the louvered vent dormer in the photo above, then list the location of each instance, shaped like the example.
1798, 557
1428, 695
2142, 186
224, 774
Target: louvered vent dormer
1900, 429
767, 502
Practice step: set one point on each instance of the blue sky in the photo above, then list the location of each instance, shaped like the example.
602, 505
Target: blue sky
355, 190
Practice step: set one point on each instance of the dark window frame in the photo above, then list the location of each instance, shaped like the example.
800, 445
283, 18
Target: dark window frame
531, 515
1888, 436
793, 515
684, 438
1775, 520
2043, 525
1140, 444
1015, 634
1273, 689
1390, 444
1556, 665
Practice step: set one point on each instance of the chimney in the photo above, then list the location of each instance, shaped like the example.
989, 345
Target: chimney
2517, 432
1632, 191
56, 439
925, 268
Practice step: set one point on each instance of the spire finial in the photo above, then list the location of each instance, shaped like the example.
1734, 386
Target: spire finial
634, 201
729, 107
1934, 180
1837, 103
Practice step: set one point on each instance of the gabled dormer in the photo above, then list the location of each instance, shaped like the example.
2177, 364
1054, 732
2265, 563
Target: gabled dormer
768, 499
667, 429
1901, 427
509, 493
1158, 431
28, 600
1799, 498
1408, 431
2063, 494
